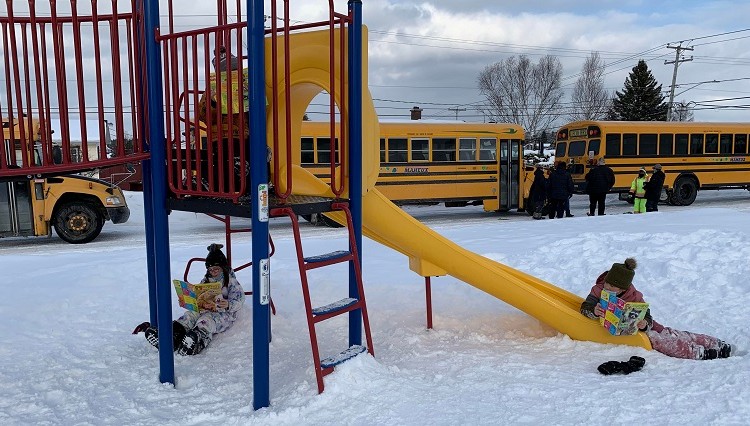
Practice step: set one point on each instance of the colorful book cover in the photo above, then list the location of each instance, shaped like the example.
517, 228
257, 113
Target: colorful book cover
621, 317
197, 297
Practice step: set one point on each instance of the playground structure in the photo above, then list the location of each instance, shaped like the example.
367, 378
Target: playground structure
288, 66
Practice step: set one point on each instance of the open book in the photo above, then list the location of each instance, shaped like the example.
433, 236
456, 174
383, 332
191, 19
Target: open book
621, 317
198, 297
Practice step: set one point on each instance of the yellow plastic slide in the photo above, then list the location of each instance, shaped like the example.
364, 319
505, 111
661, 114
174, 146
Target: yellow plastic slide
386, 223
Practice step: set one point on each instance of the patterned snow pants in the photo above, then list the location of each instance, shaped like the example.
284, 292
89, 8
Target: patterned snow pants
682, 344
211, 322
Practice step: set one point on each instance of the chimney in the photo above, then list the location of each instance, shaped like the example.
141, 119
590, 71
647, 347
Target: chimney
416, 113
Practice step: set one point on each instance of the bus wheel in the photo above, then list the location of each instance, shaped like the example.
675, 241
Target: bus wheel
685, 191
77, 222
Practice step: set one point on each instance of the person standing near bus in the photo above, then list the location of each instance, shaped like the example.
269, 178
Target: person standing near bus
599, 180
560, 189
538, 193
653, 188
638, 191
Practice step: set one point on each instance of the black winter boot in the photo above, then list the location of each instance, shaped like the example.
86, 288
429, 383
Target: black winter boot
178, 332
152, 337
710, 354
194, 342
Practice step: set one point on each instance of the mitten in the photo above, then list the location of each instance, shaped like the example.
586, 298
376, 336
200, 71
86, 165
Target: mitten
635, 363
610, 367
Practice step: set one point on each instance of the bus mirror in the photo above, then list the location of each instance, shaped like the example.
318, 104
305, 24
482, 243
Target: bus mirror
129, 167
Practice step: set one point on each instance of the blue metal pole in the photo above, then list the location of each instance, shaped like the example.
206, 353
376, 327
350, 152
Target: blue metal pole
148, 215
355, 156
158, 182
259, 195
147, 193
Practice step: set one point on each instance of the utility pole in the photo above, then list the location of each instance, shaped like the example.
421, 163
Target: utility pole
457, 109
677, 60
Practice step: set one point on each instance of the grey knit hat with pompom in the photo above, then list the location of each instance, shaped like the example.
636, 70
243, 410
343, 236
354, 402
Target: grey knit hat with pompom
621, 275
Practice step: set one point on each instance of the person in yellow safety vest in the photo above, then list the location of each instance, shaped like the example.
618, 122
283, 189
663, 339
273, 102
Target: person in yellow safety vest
638, 192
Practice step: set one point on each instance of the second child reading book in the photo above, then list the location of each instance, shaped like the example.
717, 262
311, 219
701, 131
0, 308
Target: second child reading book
669, 341
215, 309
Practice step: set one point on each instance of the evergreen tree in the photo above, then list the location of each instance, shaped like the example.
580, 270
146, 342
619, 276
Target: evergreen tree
641, 98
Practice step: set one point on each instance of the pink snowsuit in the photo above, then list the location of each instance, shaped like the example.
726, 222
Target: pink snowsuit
671, 342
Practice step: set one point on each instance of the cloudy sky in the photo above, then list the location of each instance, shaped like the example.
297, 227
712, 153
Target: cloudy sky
430, 53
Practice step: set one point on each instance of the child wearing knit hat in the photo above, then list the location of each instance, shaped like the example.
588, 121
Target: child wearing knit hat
193, 331
671, 342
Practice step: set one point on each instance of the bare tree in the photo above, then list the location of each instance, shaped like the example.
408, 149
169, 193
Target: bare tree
682, 111
518, 91
590, 100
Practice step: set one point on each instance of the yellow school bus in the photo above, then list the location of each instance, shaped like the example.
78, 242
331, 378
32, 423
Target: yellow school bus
694, 156
424, 162
76, 206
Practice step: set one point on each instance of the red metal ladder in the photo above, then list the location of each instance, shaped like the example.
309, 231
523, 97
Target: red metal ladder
348, 304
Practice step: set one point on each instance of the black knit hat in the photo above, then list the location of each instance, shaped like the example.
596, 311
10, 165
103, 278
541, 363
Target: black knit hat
215, 256
621, 275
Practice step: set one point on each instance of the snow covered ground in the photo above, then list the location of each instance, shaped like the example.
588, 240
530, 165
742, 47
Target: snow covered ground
67, 355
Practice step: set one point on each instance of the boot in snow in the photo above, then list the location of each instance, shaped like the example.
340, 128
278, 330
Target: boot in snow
178, 332
194, 342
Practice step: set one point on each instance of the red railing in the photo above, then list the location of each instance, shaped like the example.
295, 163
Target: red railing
206, 102
334, 19
68, 77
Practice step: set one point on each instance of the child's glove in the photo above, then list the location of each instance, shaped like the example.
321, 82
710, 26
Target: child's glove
635, 363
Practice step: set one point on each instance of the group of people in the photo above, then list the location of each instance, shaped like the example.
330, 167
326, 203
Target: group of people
645, 190
550, 194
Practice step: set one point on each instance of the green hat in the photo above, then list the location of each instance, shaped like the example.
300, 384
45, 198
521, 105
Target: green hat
621, 275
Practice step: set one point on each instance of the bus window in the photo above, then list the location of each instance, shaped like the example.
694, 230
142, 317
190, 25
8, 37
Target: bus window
396, 150
594, 145
629, 144
560, 149
382, 150
577, 149
740, 144
308, 151
612, 145
681, 144
324, 150
696, 144
443, 149
725, 144
665, 144
647, 144
467, 149
712, 143
487, 148
420, 149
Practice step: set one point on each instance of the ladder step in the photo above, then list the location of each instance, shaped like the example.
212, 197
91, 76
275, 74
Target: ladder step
335, 306
334, 255
343, 356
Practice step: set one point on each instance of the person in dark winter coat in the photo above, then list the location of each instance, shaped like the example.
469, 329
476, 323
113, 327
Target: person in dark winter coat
560, 189
653, 188
671, 342
193, 331
599, 181
538, 193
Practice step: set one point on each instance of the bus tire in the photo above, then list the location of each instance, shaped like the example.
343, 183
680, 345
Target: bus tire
685, 191
77, 222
